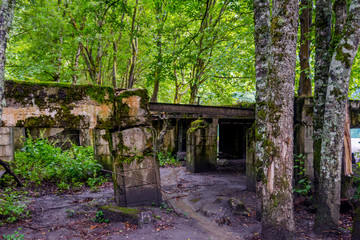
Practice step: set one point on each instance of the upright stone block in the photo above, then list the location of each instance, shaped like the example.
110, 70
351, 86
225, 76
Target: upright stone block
136, 178
6, 144
201, 146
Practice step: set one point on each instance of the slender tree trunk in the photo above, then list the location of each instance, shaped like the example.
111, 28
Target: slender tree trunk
305, 22
322, 62
158, 70
277, 199
76, 64
262, 41
193, 94
6, 16
134, 49
327, 215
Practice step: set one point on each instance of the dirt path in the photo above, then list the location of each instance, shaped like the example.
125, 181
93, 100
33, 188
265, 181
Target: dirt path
200, 200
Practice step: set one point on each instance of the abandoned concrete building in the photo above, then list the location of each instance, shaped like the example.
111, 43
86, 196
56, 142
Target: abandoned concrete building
125, 131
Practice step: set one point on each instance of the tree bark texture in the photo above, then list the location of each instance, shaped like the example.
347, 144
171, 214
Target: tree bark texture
327, 215
6, 16
262, 41
322, 62
277, 199
305, 23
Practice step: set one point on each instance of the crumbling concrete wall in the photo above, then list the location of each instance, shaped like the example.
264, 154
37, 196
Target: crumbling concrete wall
116, 124
201, 151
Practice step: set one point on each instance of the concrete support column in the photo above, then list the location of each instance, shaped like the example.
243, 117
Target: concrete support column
136, 181
136, 174
201, 146
6, 144
303, 135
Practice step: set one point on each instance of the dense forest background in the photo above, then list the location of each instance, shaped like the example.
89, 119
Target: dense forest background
182, 51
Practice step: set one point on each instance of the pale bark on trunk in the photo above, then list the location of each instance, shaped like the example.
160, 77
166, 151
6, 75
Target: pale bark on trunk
277, 199
305, 24
327, 216
346, 173
322, 61
76, 64
7, 8
261, 40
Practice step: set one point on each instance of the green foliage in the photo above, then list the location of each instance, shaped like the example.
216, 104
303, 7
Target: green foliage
357, 181
15, 236
303, 186
166, 207
99, 218
40, 161
184, 44
12, 206
166, 159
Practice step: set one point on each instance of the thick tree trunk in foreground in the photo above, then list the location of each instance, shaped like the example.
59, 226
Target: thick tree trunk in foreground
277, 200
327, 216
262, 41
6, 16
322, 63
305, 22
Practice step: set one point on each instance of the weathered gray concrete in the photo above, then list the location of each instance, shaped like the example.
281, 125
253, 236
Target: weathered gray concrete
201, 152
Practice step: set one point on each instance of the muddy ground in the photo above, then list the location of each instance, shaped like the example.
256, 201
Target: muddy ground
198, 209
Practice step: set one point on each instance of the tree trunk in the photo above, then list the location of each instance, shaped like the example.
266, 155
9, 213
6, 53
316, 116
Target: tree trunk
193, 94
76, 64
262, 40
277, 200
322, 61
305, 22
6, 16
159, 66
327, 215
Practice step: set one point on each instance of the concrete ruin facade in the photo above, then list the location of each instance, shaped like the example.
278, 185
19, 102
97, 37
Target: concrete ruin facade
123, 128
115, 123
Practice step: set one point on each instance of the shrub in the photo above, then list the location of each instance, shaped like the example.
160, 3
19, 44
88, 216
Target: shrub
167, 160
41, 161
11, 208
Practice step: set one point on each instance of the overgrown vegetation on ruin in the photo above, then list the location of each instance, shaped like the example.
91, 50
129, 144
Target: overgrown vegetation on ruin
41, 163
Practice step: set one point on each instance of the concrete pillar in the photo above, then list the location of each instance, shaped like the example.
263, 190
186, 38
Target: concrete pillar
6, 144
303, 133
137, 179
136, 174
250, 160
201, 146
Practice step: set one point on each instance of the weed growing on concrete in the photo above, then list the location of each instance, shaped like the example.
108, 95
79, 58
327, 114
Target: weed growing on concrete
99, 218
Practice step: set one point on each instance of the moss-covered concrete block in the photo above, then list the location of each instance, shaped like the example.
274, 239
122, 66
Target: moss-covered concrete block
121, 214
132, 142
57, 105
132, 107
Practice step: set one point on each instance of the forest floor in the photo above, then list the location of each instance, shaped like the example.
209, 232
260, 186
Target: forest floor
197, 209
